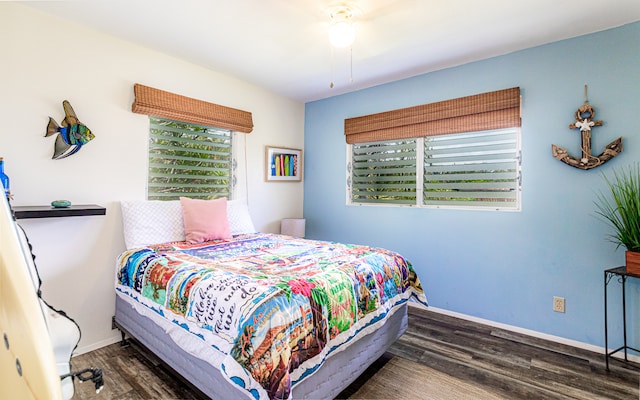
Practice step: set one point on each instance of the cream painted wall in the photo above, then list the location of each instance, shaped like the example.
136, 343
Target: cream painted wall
45, 61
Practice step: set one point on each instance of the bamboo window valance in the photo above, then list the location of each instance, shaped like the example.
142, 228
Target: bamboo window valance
158, 103
493, 110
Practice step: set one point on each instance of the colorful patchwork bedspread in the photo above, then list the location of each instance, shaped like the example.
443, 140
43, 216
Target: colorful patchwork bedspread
276, 306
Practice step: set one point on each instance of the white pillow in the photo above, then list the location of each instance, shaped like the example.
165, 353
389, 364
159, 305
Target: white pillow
239, 218
149, 222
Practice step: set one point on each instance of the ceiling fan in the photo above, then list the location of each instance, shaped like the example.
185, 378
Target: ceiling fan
344, 18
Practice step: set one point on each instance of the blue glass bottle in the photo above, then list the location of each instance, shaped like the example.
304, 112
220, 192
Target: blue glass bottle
4, 179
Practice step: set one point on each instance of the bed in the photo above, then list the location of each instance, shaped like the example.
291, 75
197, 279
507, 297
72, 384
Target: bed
257, 315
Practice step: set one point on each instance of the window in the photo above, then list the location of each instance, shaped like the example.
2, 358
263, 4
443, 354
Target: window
188, 160
471, 170
384, 172
463, 152
475, 169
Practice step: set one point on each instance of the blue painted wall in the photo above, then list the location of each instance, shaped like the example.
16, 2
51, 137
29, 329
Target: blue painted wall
503, 266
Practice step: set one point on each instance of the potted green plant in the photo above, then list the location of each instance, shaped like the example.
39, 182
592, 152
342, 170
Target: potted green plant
621, 210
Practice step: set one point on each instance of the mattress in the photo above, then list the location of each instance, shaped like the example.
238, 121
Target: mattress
266, 312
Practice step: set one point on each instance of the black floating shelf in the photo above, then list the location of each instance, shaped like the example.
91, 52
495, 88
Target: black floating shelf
24, 212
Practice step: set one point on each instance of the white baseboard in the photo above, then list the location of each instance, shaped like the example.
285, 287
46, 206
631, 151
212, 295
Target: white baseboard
529, 332
96, 346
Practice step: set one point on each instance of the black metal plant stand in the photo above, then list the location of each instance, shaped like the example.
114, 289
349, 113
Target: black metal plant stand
621, 272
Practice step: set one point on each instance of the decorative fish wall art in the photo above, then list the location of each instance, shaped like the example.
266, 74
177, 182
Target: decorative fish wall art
72, 134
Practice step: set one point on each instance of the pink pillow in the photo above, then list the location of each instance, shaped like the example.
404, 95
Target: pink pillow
205, 220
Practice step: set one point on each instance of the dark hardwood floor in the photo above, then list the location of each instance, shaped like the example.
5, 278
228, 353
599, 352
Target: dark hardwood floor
512, 365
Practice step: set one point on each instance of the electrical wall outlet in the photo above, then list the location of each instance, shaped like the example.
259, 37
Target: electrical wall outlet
558, 304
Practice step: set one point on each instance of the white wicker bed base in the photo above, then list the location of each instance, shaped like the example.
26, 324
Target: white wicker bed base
338, 371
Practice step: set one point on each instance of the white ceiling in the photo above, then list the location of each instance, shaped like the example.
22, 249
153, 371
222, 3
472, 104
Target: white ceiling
282, 45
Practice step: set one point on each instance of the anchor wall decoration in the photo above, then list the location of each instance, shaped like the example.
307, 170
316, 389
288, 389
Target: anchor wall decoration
585, 121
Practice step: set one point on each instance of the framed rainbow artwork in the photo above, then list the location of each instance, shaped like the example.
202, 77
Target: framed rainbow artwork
283, 164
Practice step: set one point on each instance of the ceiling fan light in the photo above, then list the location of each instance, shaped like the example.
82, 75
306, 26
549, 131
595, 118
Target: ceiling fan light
342, 34
341, 31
